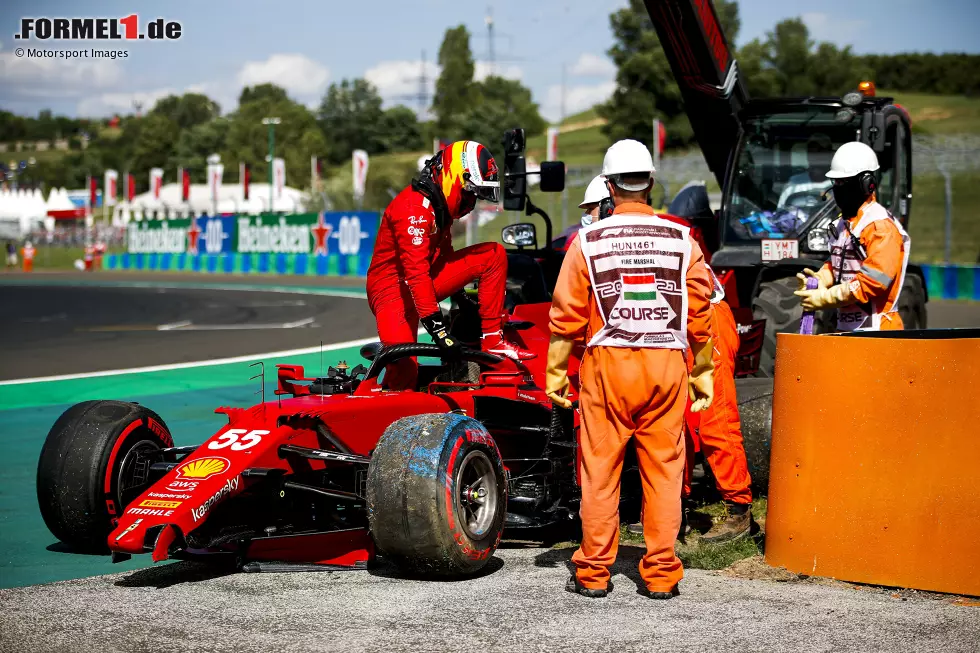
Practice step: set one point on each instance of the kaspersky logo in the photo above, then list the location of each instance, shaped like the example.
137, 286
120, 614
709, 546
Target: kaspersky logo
98, 29
203, 468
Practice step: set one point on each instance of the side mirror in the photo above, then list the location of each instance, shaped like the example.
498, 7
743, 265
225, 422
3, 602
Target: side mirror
552, 177
521, 235
515, 168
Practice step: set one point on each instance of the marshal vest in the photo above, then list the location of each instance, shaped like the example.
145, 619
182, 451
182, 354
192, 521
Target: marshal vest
638, 268
846, 262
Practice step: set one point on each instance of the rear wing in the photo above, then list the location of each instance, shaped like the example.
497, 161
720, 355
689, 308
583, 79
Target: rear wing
706, 72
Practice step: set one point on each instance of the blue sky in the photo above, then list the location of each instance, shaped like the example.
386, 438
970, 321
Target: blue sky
306, 45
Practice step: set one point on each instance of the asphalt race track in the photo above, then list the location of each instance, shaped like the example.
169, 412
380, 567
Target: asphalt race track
73, 324
53, 329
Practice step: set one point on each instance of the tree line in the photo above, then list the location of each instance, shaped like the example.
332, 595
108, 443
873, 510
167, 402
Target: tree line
184, 130
786, 62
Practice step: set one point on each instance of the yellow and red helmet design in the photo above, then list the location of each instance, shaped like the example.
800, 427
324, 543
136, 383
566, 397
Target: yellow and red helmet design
469, 172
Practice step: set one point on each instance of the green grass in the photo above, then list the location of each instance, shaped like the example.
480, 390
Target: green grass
699, 555
940, 114
927, 223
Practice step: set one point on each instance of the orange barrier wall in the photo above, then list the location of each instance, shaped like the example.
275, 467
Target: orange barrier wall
875, 467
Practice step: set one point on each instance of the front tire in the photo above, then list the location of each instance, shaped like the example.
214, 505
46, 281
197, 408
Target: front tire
437, 495
95, 461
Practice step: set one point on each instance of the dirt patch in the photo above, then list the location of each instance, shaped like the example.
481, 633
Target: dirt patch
932, 113
576, 126
755, 568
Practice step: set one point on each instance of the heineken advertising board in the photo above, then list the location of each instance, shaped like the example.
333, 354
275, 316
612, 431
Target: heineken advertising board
315, 234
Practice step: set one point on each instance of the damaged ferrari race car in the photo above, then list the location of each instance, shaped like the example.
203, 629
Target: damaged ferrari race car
339, 468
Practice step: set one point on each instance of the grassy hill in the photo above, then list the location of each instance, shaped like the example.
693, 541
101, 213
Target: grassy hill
582, 143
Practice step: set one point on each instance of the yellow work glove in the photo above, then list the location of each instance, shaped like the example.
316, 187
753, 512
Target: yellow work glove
701, 381
825, 278
833, 297
556, 375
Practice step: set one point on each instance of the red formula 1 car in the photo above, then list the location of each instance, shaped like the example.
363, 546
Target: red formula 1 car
330, 470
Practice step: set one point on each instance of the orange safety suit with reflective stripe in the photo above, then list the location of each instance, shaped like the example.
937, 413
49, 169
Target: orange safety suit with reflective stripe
629, 393
720, 429
879, 277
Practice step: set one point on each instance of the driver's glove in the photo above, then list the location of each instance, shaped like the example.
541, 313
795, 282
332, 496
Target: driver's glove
435, 326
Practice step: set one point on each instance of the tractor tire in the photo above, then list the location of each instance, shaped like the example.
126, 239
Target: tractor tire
754, 398
92, 465
781, 309
912, 303
437, 495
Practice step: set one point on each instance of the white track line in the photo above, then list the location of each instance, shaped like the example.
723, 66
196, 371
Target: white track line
184, 366
173, 325
187, 325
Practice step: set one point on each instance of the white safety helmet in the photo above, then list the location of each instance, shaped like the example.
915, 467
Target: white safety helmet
627, 157
596, 192
851, 159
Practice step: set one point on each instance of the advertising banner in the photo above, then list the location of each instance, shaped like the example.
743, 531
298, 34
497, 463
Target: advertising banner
360, 162
552, 154
109, 194
210, 235
334, 243
156, 182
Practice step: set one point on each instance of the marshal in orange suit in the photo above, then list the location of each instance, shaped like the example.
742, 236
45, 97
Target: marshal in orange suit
635, 288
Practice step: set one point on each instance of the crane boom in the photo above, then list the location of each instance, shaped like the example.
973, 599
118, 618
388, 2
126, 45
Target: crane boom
706, 72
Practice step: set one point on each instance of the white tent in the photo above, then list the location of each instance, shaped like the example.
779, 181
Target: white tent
230, 200
20, 211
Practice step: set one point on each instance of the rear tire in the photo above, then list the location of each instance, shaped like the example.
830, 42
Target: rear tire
912, 303
92, 465
424, 489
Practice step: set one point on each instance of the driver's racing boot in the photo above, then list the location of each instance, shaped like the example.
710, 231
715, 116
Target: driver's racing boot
575, 587
494, 343
735, 525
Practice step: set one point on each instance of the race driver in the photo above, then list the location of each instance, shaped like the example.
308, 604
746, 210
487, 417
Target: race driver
634, 287
868, 255
414, 265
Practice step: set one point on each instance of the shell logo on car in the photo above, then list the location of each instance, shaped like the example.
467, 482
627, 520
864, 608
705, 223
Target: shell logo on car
203, 468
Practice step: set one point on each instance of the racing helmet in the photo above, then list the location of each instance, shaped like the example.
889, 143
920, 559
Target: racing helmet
468, 172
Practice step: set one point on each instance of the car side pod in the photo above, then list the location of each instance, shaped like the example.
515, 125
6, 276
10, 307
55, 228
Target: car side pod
863, 486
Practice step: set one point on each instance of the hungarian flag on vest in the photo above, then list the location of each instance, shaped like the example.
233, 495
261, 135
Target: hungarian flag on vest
639, 287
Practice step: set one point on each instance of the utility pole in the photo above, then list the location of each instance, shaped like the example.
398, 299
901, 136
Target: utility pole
563, 70
489, 21
423, 92
271, 122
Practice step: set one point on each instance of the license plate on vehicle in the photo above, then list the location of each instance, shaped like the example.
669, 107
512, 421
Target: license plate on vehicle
777, 250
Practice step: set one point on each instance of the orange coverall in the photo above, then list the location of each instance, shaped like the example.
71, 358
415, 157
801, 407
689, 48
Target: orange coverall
720, 429
625, 393
883, 243
27, 254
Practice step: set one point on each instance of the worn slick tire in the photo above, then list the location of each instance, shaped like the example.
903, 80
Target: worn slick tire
912, 303
79, 488
419, 489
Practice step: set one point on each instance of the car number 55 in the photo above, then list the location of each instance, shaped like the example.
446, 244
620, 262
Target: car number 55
238, 439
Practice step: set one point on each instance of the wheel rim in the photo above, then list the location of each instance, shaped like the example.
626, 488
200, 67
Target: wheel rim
476, 494
134, 471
